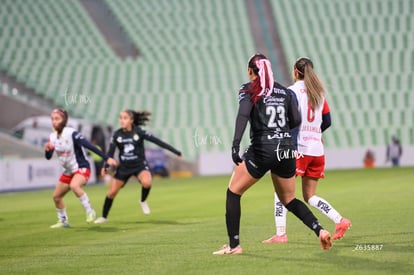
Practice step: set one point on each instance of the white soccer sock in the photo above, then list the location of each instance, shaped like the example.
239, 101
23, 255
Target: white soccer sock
323, 206
85, 202
280, 217
61, 214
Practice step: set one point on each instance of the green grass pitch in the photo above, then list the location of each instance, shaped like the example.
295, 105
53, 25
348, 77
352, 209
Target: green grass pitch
187, 224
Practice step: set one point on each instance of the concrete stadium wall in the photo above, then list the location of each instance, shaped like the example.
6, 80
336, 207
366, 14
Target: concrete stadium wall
28, 174
221, 163
13, 111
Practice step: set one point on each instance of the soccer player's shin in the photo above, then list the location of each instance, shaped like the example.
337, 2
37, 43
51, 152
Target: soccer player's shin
233, 213
145, 193
325, 208
107, 206
301, 211
61, 214
280, 217
84, 199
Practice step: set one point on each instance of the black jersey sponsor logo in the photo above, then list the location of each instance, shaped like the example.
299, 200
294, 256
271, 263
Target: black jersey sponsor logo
127, 140
272, 100
135, 137
279, 91
128, 148
279, 135
133, 157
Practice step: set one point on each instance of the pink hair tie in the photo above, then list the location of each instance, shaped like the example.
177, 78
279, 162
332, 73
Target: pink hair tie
261, 65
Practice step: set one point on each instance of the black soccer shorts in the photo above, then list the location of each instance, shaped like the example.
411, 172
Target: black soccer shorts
261, 158
124, 173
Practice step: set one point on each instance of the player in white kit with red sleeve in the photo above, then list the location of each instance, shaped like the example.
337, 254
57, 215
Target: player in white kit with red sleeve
68, 145
310, 162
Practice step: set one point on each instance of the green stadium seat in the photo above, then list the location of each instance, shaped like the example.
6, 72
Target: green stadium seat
364, 54
193, 60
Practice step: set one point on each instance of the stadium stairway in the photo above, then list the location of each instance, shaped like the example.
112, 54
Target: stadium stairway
110, 28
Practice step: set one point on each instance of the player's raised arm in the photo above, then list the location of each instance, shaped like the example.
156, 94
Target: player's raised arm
82, 141
160, 143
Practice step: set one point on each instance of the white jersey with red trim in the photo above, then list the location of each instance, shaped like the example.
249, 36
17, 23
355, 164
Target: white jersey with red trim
70, 154
310, 134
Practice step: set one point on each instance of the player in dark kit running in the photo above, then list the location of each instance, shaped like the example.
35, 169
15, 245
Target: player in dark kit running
272, 111
129, 139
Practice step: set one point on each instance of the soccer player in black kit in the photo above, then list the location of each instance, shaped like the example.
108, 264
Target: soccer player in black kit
129, 139
272, 111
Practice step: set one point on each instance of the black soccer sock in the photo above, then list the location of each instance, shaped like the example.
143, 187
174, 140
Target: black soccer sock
144, 193
233, 213
301, 211
107, 206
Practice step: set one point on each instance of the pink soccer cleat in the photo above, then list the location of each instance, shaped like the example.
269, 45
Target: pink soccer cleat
228, 250
341, 228
325, 239
277, 239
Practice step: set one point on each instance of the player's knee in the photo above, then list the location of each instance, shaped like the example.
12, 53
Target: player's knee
145, 180
306, 197
146, 183
112, 194
56, 198
76, 189
286, 199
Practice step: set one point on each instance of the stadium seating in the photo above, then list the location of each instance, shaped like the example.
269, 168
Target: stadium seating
193, 58
364, 52
192, 63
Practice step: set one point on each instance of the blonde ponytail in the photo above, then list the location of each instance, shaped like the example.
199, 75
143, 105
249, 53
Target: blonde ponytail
303, 70
314, 87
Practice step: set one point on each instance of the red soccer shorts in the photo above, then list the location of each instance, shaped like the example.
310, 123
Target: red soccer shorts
85, 172
311, 166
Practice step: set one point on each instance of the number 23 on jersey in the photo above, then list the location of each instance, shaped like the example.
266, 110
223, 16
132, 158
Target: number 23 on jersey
276, 115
